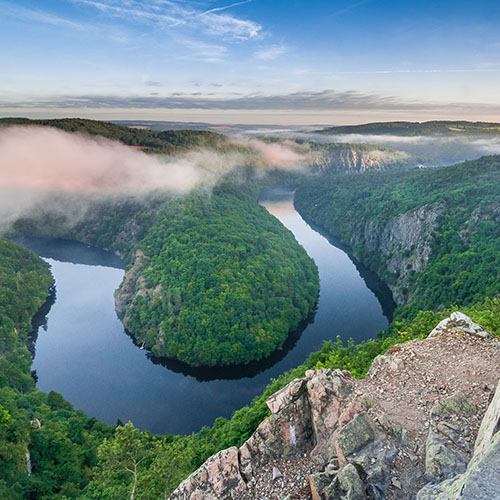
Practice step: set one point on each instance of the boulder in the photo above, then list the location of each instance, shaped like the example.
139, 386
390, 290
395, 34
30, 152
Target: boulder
447, 449
327, 391
218, 478
481, 479
345, 484
459, 324
371, 448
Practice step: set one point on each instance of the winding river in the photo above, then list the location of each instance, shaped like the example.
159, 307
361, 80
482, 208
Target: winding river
83, 351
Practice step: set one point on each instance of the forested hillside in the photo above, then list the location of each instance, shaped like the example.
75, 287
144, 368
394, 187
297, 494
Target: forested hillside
166, 141
440, 128
432, 234
45, 446
211, 277
72, 456
217, 281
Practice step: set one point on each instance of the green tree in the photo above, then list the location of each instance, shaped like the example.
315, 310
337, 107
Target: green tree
123, 455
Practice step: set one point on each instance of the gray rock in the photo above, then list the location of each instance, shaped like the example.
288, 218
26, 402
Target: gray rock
489, 426
442, 460
481, 480
457, 404
351, 484
372, 449
276, 473
459, 324
345, 484
404, 241
357, 434
447, 451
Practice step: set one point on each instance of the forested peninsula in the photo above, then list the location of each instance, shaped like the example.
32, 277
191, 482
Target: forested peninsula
211, 278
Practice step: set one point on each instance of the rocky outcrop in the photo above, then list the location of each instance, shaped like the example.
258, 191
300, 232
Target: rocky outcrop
218, 477
481, 479
404, 243
358, 158
125, 292
461, 324
406, 431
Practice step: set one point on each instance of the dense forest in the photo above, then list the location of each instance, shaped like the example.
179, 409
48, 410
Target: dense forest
50, 451
220, 281
431, 128
166, 141
455, 211
211, 277
187, 276
45, 446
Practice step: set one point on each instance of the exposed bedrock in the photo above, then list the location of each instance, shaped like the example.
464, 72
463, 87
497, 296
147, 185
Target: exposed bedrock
422, 425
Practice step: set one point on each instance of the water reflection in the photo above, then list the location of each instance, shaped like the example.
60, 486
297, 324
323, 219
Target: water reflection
83, 352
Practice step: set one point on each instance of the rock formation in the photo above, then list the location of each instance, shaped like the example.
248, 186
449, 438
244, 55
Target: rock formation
419, 426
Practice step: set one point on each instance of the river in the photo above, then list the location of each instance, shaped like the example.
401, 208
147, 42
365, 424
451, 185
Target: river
83, 352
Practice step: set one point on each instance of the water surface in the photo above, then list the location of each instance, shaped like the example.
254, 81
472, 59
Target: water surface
83, 351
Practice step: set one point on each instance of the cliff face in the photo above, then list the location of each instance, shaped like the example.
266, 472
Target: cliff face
403, 243
352, 158
419, 425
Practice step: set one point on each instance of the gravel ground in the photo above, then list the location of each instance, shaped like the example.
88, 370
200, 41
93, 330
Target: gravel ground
419, 374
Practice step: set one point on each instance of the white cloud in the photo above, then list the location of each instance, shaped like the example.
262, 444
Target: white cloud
168, 14
270, 53
204, 51
39, 16
218, 9
227, 25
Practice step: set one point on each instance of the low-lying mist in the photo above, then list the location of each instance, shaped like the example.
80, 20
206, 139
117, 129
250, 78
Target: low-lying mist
438, 150
38, 159
42, 167
433, 150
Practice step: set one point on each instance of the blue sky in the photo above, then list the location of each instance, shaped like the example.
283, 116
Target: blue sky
253, 61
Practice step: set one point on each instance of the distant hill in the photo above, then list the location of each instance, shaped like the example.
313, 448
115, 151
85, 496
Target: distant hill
327, 159
166, 141
438, 128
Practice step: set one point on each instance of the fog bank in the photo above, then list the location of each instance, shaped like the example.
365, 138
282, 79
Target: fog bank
61, 172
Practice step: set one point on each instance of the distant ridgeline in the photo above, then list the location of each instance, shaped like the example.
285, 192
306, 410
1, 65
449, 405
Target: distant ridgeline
440, 128
167, 141
318, 158
433, 235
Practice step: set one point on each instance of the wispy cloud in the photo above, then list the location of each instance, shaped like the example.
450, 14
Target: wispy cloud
218, 9
169, 14
207, 52
39, 16
270, 53
327, 100
350, 7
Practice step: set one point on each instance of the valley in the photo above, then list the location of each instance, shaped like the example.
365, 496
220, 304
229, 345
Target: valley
83, 352
429, 234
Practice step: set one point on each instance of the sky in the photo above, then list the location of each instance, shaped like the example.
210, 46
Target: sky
251, 61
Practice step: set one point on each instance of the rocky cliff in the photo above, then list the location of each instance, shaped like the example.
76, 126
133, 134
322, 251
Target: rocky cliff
404, 245
423, 424
358, 158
